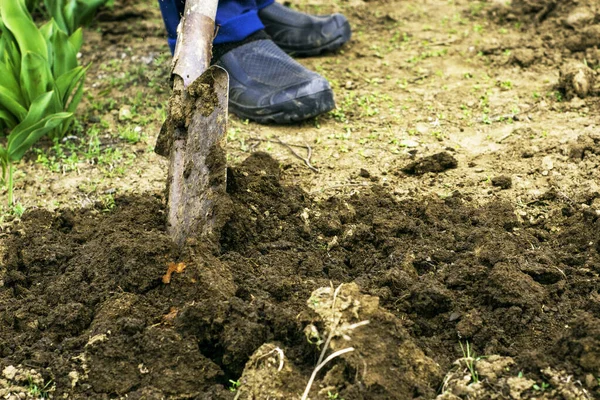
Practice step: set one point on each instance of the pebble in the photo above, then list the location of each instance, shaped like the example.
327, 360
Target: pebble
124, 114
9, 372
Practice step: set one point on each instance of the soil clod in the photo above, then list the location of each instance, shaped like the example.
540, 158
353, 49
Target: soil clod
436, 163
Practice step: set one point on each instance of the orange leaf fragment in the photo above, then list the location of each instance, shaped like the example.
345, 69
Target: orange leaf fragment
172, 267
168, 318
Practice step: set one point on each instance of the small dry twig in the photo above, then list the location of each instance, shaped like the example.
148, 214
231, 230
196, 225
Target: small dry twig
281, 357
290, 147
321, 365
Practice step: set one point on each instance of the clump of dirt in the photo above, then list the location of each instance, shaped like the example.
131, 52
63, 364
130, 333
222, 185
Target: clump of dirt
554, 33
576, 24
82, 298
438, 162
502, 181
576, 79
21, 383
494, 378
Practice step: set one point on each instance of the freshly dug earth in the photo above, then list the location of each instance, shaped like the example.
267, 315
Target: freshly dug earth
83, 302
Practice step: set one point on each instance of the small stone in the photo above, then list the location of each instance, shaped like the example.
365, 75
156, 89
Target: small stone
349, 85
124, 114
74, 378
454, 316
547, 163
422, 128
591, 382
333, 243
504, 182
9, 372
577, 103
364, 173
147, 59
409, 143
580, 17
523, 57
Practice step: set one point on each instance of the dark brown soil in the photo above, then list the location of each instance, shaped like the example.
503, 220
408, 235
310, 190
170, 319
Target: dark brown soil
82, 295
561, 30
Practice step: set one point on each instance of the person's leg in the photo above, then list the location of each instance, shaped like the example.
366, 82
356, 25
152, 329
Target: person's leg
171, 11
265, 84
236, 20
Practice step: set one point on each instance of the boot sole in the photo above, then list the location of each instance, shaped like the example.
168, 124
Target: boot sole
291, 111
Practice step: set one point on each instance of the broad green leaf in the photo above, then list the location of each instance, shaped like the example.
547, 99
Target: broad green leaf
71, 13
18, 20
71, 106
31, 4
65, 56
55, 9
89, 8
27, 137
3, 162
36, 77
11, 55
8, 119
36, 112
76, 40
66, 83
9, 84
9, 103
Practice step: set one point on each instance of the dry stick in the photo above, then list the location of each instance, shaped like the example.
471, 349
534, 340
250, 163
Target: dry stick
333, 327
281, 357
513, 116
318, 368
290, 147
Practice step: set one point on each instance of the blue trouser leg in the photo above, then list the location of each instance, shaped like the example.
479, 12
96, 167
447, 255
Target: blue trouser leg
236, 19
171, 11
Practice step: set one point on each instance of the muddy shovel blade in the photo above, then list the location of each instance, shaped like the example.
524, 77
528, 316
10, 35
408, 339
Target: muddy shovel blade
197, 170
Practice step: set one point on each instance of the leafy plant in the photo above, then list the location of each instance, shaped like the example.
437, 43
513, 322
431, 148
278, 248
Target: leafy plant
36, 124
234, 385
41, 83
35, 61
71, 14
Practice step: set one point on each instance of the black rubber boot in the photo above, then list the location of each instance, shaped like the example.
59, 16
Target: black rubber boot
268, 86
301, 34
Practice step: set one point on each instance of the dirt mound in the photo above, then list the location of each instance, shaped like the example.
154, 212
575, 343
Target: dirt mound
553, 33
82, 300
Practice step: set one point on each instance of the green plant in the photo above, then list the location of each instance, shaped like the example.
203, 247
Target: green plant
36, 61
470, 359
31, 4
72, 14
39, 392
35, 125
542, 387
234, 385
40, 83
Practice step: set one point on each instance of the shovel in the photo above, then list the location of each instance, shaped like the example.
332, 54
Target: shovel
193, 135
